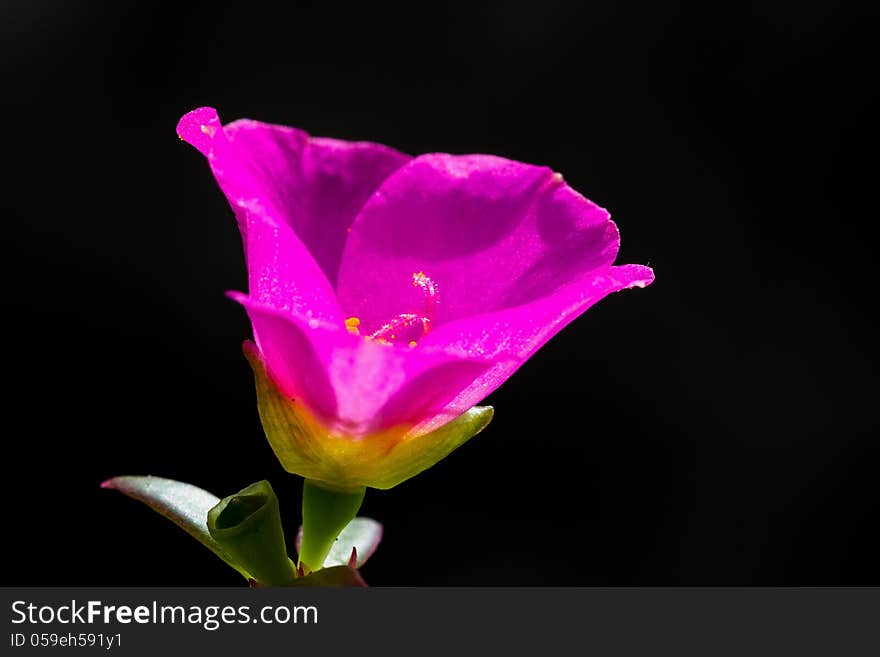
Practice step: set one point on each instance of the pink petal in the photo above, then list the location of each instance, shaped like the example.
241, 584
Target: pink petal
509, 336
316, 186
295, 349
359, 387
490, 233
294, 198
282, 274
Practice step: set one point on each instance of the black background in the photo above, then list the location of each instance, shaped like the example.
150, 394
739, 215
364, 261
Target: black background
715, 428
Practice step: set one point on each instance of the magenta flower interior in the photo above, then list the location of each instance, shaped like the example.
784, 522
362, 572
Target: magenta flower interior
395, 292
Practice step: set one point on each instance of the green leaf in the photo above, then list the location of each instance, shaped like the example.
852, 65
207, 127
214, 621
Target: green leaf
183, 504
361, 534
337, 576
248, 526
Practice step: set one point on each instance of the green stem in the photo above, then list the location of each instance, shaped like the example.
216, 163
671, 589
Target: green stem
325, 514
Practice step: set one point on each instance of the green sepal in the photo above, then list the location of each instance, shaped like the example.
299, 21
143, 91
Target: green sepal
183, 504
325, 514
248, 526
415, 455
306, 447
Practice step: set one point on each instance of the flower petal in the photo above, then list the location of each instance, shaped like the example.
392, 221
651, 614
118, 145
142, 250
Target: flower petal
283, 275
359, 387
294, 198
379, 387
295, 350
316, 186
490, 233
509, 336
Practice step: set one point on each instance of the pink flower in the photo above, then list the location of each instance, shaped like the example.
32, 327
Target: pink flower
390, 294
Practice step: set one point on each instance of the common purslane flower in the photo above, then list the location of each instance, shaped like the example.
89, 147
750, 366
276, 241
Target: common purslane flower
390, 294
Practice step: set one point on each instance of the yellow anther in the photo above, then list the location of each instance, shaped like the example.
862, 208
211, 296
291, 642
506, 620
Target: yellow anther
412, 343
352, 324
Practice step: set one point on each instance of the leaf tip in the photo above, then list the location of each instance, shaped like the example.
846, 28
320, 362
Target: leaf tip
250, 350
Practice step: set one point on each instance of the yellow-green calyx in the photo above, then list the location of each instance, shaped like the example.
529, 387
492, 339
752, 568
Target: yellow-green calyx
304, 446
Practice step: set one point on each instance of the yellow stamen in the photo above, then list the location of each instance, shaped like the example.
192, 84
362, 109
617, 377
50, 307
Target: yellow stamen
412, 343
352, 324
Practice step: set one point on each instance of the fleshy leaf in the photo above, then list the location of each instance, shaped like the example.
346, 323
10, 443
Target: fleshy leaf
337, 576
248, 526
183, 504
361, 535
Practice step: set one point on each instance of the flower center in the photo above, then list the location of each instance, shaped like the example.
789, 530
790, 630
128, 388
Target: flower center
405, 327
